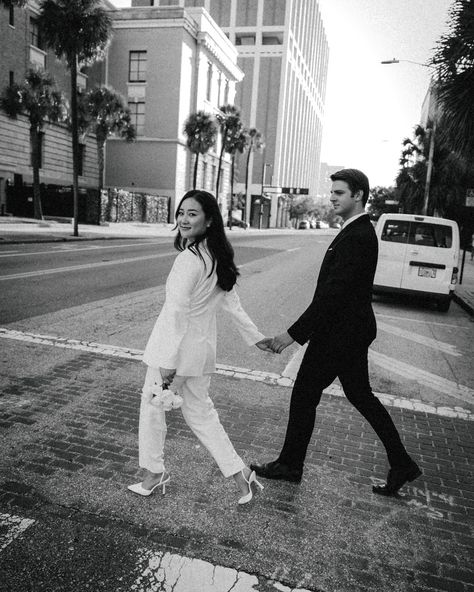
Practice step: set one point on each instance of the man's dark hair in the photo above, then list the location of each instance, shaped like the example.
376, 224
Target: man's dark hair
356, 180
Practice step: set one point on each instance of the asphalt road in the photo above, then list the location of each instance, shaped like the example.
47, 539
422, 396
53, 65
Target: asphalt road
44, 278
111, 292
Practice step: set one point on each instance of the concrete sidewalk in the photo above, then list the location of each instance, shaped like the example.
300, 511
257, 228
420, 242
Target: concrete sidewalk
27, 230
69, 444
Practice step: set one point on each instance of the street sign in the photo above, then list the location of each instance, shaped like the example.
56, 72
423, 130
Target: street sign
470, 198
271, 189
290, 190
295, 190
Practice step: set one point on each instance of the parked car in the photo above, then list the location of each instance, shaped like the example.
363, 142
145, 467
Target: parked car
238, 222
418, 255
303, 225
314, 223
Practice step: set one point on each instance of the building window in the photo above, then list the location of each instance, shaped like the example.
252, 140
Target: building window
11, 16
35, 37
137, 116
209, 81
244, 39
137, 66
213, 177
40, 150
226, 93
82, 158
272, 38
11, 78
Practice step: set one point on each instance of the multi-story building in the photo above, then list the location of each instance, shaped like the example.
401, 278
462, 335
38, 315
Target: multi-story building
21, 48
282, 50
169, 62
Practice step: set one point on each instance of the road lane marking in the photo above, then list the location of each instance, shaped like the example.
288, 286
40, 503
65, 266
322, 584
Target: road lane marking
69, 249
41, 272
286, 379
442, 385
11, 528
421, 339
410, 320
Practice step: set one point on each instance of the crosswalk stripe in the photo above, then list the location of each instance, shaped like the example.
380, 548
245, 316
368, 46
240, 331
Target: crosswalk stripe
461, 392
41, 272
11, 528
446, 348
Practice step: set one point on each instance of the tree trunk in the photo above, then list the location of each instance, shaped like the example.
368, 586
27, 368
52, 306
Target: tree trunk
35, 145
220, 163
195, 170
231, 190
247, 181
100, 163
75, 145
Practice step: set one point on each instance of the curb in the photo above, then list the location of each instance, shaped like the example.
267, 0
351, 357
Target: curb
465, 304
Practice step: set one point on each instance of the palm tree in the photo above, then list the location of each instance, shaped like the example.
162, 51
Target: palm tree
454, 62
78, 32
411, 179
104, 112
41, 102
236, 144
230, 125
255, 144
450, 174
201, 133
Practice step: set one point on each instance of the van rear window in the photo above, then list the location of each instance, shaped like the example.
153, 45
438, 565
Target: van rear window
418, 233
430, 235
395, 231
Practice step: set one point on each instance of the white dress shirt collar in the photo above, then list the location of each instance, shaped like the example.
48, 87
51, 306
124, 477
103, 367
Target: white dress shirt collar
349, 220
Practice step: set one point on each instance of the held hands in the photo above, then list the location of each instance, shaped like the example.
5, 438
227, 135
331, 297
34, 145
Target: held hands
276, 344
265, 344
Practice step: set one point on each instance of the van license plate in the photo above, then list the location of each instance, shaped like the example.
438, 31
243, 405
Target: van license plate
428, 272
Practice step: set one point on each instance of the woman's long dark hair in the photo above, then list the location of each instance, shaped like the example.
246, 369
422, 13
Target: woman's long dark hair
219, 247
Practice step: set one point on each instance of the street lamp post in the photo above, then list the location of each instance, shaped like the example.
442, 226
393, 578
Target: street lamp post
262, 197
429, 168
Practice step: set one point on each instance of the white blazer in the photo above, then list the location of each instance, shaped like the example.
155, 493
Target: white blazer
184, 335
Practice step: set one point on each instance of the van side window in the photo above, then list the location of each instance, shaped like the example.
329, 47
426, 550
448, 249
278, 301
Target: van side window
431, 235
395, 231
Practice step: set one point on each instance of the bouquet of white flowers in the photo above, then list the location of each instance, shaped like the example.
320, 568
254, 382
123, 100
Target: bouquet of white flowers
159, 395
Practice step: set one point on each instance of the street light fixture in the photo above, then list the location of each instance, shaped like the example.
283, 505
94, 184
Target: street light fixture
396, 61
429, 167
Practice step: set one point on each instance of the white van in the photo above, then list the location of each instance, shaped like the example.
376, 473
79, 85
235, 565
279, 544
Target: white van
417, 255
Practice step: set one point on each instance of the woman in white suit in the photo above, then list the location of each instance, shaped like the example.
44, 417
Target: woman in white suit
181, 350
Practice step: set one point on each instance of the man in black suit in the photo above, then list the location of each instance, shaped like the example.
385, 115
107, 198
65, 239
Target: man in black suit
340, 325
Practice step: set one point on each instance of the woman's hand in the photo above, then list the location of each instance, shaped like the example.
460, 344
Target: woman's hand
167, 375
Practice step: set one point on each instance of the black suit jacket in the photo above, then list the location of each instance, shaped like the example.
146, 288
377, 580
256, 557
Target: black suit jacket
341, 313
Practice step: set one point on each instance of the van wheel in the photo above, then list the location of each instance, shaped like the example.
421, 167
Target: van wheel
443, 304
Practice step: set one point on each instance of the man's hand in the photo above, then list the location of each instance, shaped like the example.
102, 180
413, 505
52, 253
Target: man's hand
280, 342
265, 344
167, 375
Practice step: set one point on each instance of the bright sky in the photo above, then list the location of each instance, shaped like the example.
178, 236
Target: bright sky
371, 108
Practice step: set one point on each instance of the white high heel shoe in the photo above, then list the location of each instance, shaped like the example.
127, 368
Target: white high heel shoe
138, 487
252, 479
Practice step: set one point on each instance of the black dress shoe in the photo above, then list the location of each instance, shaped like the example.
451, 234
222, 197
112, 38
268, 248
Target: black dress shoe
277, 470
397, 477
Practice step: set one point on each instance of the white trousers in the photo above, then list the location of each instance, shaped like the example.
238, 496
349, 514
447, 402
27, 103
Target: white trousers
200, 415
